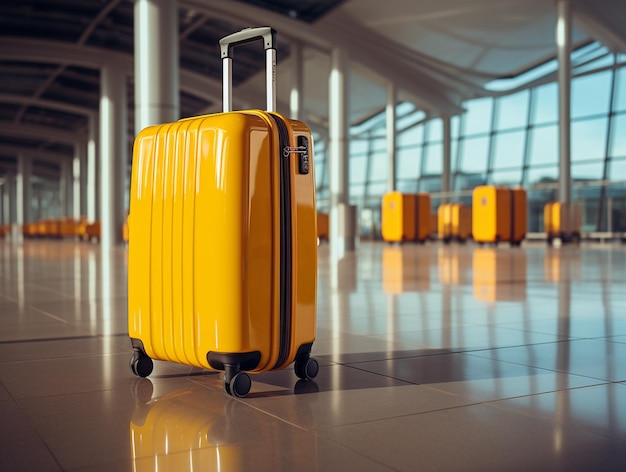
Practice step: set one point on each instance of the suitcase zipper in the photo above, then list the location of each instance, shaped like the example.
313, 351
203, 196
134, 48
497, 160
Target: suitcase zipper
285, 243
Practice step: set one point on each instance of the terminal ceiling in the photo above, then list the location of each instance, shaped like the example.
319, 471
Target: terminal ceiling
439, 53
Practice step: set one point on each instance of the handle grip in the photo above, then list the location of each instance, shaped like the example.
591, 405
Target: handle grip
247, 35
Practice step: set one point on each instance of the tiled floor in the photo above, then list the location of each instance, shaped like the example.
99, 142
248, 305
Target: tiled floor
445, 358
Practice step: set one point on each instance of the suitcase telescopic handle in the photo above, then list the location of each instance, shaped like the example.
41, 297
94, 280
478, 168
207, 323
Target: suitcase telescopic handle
227, 43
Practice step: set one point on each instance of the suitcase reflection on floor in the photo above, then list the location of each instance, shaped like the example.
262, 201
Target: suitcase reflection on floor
199, 429
405, 269
499, 275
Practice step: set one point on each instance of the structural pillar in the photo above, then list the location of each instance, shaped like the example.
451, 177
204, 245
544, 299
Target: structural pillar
76, 172
156, 62
341, 231
83, 188
297, 82
564, 47
92, 164
9, 200
392, 179
447, 155
113, 153
23, 190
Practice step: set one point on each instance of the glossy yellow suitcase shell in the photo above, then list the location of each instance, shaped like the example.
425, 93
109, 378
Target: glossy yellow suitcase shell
398, 217
205, 273
491, 208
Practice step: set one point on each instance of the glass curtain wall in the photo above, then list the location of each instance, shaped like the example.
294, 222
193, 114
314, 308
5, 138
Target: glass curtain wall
507, 139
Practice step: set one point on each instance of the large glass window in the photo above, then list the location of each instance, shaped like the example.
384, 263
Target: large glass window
589, 139
546, 174
544, 148
617, 170
620, 90
618, 147
411, 137
478, 116
434, 158
408, 161
510, 178
358, 166
474, 154
545, 104
588, 171
509, 149
435, 130
591, 94
513, 110
379, 166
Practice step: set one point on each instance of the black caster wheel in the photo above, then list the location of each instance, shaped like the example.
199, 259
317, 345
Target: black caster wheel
239, 385
307, 369
141, 365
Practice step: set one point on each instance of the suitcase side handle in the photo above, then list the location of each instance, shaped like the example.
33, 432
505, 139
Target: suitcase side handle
227, 43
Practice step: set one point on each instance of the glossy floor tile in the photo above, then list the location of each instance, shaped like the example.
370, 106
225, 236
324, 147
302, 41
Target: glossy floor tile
432, 357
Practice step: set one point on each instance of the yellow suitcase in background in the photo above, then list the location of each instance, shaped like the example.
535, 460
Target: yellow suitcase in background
461, 222
222, 257
455, 222
444, 222
322, 226
491, 220
398, 217
561, 220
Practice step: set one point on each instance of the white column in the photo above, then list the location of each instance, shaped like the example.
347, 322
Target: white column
83, 187
295, 98
113, 153
391, 136
564, 47
92, 166
23, 189
76, 172
338, 141
447, 157
156, 62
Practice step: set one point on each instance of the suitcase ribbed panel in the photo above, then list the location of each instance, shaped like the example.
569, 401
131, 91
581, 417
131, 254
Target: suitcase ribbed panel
160, 327
186, 201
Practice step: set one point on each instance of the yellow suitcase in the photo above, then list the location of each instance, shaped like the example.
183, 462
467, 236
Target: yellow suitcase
561, 220
491, 220
444, 222
398, 217
222, 257
322, 226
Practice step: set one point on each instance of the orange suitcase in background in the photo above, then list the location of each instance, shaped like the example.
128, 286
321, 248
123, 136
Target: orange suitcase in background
422, 207
519, 216
561, 220
222, 258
